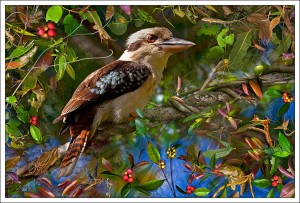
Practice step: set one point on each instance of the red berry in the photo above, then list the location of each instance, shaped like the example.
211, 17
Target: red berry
193, 188
130, 180
125, 178
284, 94
274, 183
51, 25
188, 187
188, 191
51, 33
40, 32
129, 171
275, 177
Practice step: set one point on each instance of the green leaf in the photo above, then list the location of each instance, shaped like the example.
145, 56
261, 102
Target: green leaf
141, 190
213, 161
245, 127
180, 190
110, 175
273, 93
152, 184
263, 183
30, 81
283, 109
284, 143
138, 22
22, 114
239, 50
282, 153
140, 113
208, 29
215, 53
14, 122
70, 71
226, 40
19, 51
141, 129
125, 190
54, 14
60, 66
145, 16
270, 193
153, 153
118, 28
225, 144
201, 192
191, 117
36, 134
219, 153
13, 130
229, 39
274, 162
19, 30
70, 24
11, 99
71, 55
196, 123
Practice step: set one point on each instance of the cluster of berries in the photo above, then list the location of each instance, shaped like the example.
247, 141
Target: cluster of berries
189, 189
47, 31
127, 177
287, 97
276, 180
33, 120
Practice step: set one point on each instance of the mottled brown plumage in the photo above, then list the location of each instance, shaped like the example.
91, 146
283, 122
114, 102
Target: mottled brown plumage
115, 91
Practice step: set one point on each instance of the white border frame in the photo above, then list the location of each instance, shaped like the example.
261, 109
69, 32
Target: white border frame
4, 3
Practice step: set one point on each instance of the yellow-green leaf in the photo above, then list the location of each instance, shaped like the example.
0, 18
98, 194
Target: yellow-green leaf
211, 8
36, 134
201, 192
54, 14
153, 153
70, 71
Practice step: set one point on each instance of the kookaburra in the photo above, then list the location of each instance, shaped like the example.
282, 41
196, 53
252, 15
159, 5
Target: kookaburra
113, 92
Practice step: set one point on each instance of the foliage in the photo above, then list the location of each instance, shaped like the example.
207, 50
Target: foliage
215, 144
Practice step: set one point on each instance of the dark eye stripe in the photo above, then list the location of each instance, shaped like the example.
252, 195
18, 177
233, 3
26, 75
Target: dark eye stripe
135, 45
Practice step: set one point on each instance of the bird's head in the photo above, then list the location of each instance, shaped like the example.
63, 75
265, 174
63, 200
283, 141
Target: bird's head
153, 45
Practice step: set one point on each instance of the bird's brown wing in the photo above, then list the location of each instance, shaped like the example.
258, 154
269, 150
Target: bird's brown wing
112, 81
109, 82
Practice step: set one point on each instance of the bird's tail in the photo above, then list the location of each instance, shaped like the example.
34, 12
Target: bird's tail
73, 153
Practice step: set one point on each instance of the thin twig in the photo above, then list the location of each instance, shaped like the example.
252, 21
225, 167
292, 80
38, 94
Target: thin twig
267, 135
168, 183
171, 168
211, 75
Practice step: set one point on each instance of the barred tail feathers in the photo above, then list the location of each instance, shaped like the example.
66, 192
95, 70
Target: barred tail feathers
73, 153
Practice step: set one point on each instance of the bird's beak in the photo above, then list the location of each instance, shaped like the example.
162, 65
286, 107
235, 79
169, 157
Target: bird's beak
175, 45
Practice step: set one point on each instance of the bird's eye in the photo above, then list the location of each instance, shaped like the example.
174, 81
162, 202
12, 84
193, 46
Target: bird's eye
151, 38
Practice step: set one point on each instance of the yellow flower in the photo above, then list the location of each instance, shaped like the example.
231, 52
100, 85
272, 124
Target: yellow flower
171, 152
161, 164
